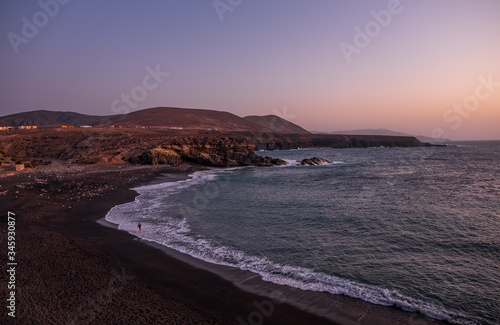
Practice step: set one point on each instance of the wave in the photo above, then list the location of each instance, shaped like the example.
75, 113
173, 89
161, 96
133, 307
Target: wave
174, 232
292, 162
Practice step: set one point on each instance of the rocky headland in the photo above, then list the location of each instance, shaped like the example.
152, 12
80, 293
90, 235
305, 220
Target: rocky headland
150, 146
135, 146
279, 141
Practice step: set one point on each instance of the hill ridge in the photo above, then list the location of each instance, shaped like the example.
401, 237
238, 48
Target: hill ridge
276, 124
168, 117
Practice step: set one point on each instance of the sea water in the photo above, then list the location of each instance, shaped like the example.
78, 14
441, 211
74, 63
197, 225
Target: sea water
416, 228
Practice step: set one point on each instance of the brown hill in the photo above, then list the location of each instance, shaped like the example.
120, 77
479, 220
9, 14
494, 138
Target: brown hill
160, 117
51, 118
173, 117
276, 124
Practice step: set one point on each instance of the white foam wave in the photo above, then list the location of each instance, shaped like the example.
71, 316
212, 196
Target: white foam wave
292, 162
152, 200
174, 232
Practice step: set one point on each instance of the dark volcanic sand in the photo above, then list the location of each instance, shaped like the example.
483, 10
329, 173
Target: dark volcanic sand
71, 270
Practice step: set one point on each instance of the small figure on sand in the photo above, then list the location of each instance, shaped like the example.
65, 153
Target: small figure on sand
139, 226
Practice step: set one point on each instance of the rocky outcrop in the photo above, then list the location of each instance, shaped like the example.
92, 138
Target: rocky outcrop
158, 146
268, 161
204, 150
219, 151
314, 161
158, 156
268, 140
137, 146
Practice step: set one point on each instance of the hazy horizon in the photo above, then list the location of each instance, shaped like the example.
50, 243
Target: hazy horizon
422, 68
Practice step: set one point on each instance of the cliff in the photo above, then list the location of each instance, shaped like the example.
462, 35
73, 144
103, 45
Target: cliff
270, 141
363, 141
138, 146
221, 151
156, 146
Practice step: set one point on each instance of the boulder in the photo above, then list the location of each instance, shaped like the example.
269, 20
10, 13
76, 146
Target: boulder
314, 161
268, 161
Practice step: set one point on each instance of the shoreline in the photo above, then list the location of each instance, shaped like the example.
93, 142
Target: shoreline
101, 264
320, 304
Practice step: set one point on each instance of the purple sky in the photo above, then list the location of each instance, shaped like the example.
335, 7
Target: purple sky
421, 67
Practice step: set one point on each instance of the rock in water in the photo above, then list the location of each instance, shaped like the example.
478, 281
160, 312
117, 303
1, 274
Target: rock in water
268, 161
314, 161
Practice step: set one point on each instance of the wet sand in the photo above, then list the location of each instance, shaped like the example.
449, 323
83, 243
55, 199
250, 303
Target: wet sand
73, 270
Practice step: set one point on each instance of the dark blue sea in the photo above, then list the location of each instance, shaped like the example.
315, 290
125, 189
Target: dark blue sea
417, 228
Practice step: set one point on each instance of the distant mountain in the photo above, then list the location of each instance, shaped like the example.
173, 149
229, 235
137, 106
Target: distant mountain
276, 124
371, 132
166, 117
387, 132
50, 118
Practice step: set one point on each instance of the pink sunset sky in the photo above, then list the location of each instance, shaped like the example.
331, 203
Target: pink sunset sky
419, 67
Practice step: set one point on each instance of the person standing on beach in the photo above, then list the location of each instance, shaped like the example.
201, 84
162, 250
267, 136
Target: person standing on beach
139, 226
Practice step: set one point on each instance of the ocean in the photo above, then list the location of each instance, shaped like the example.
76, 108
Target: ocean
416, 228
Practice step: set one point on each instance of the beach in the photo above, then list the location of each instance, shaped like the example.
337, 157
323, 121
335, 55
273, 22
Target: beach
74, 270
250, 162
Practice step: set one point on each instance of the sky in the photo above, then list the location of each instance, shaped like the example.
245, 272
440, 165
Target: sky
420, 67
